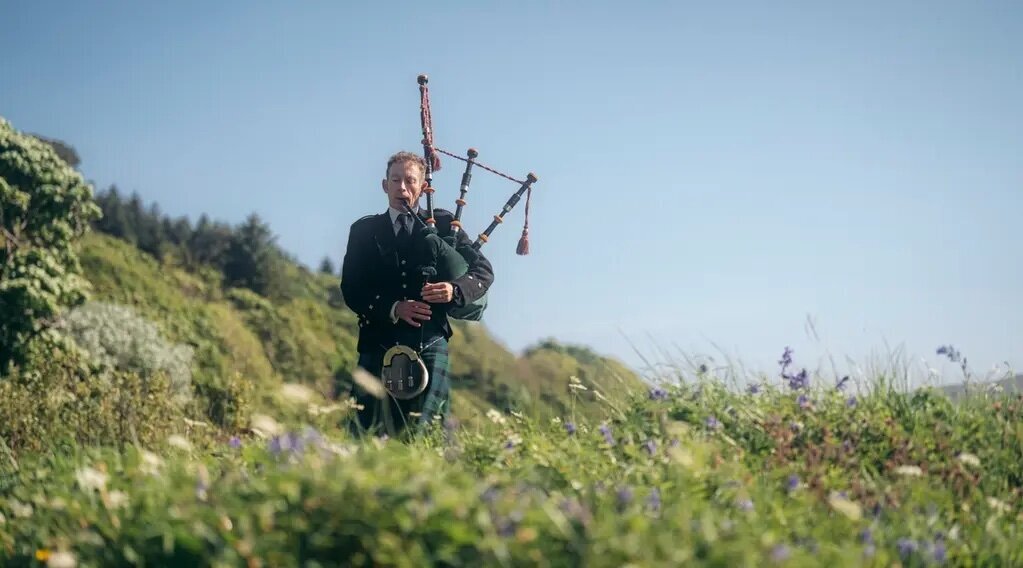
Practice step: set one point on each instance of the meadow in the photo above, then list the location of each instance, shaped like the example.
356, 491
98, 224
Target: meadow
796, 471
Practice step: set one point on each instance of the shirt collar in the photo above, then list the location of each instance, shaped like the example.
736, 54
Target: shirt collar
394, 213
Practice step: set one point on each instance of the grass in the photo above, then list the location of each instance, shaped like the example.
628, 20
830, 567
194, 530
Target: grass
697, 473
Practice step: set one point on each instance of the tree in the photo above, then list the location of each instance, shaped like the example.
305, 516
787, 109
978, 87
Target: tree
64, 150
45, 206
327, 266
252, 260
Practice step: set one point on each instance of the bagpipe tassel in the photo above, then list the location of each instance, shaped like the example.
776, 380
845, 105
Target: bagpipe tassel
523, 248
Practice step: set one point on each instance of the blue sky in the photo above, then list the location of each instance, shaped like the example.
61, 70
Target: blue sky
716, 180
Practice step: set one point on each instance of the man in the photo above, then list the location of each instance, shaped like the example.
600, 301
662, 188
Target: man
395, 303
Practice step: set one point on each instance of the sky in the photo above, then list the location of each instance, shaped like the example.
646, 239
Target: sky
717, 181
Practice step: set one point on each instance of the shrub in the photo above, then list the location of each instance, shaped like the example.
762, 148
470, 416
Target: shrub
120, 339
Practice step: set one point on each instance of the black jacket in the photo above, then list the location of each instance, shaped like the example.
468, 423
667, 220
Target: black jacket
376, 272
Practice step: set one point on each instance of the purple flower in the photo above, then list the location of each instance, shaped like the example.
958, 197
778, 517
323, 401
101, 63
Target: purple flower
745, 505
780, 553
798, 381
275, 445
703, 368
841, 382
606, 431
792, 483
654, 501
866, 536
906, 547
235, 442
804, 401
570, 428
938, 551
753, 389
657, 393
951, 352
624, 495
786, 359
450, 424
851, 401
713, 423
650, 446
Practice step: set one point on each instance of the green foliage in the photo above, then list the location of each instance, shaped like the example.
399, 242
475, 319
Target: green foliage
251, 260
57, 402
45, 206
119, 339
657, 483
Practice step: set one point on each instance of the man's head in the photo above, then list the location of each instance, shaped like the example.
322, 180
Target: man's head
405, 179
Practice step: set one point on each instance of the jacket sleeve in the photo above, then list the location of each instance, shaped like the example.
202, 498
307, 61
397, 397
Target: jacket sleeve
477, 280
360, 293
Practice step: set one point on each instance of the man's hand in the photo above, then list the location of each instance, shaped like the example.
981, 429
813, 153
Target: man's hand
410, 311
438, 292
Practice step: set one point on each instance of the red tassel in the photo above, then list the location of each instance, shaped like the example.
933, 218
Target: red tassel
523, 248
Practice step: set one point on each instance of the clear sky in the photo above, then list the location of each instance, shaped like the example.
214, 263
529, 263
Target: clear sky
716, 179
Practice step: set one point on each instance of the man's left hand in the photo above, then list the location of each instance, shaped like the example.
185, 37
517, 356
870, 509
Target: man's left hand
438, 292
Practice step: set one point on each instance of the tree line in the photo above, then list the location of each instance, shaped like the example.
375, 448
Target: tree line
247, 255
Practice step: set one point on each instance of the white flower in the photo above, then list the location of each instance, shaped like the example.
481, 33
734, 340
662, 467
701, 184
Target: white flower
846, 507
61, 559
998, 505
151, 463
296, 393
265, 426
116, 499
180, 442
90, 479
909, 470
495, 416
969, 459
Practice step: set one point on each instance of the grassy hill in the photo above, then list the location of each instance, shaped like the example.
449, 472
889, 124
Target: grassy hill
310, 338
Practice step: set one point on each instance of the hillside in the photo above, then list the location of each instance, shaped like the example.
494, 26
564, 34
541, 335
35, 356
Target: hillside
309, 338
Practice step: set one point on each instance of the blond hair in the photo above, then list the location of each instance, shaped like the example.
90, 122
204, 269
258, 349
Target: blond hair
402, 157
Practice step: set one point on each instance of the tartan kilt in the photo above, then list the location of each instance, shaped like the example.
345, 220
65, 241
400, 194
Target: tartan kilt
392, 415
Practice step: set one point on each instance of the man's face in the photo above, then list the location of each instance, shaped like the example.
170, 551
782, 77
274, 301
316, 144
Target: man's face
404, 183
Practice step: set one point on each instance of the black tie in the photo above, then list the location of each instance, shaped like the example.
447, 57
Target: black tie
403, 232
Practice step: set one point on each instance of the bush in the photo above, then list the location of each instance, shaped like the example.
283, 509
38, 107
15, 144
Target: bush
57, 402
120, 339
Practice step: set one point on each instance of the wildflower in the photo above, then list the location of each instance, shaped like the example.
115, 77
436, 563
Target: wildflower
90, 479
713, 423
804, 401
952, 353
235, 442
654, 500
180, 442
703, 368
786, 358
850, 402
840, 385
753, 388
495, 416
798, 381
780, 553
657, 393
650, 446
61, 559
570, 428
969, 459
792, 483
624, 495
745, 504
296, 393
606, 431
866, 536
938, 551
906, 547
846, 507
909, 470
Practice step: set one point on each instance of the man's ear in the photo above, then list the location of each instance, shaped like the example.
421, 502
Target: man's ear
383, 184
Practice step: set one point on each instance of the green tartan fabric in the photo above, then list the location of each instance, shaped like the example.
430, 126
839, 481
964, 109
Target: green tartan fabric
394, 416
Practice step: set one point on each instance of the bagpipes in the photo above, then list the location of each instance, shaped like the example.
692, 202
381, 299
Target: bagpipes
444, 259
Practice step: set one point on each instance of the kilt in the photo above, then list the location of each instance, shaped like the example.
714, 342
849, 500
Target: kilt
394, 416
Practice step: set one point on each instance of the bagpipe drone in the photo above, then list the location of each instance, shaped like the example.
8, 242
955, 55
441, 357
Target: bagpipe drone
444, 258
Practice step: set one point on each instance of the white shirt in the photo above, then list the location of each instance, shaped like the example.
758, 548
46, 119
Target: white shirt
394, 218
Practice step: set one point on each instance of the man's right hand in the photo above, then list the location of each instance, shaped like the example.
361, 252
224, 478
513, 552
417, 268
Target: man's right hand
410, 311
